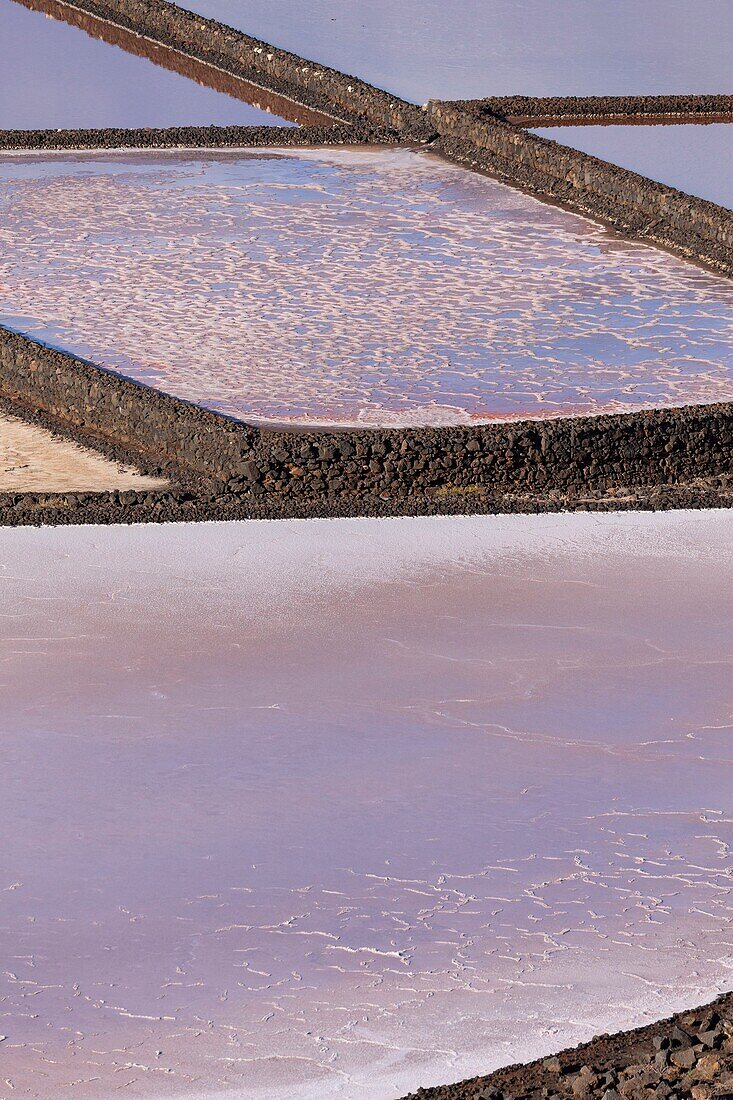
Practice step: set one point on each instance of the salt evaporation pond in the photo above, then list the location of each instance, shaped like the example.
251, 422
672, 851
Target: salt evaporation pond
350, 287
340, 808
427, 49
694, 158
54, 76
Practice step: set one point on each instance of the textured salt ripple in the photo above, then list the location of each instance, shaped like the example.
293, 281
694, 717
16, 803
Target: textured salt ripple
377, 287
341, 808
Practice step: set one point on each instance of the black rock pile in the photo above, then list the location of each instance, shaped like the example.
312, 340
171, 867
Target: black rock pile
688, 1057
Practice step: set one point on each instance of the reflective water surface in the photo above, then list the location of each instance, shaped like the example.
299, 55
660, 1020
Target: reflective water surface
697, 159
34, 460
350, 287
427, 49
339, 808
55, 76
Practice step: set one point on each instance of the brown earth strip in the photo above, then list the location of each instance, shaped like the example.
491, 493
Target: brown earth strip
689, 1055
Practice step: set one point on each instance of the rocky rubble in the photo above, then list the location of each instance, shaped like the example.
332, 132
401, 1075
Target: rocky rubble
687, 1057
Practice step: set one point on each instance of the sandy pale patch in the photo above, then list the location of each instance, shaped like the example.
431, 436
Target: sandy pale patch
35, 461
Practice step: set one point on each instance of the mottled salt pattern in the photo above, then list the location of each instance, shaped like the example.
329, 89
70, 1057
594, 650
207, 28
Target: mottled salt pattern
424, 49
697, 159
377, 287
34, 460
56, 76
339, 808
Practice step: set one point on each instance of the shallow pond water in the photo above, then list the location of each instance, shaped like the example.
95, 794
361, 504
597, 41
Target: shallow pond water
340, 808
694, 158
56, 76
427, 49
350, 287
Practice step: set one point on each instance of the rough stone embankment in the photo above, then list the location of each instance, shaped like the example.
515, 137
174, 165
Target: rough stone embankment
232, 51
538, 110
687, 1057
635, 206
210, 76
186, 137
475, 133
237, 469
189, 501
568, 456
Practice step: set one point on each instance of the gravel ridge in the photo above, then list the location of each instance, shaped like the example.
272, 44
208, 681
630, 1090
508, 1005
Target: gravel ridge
688, 1056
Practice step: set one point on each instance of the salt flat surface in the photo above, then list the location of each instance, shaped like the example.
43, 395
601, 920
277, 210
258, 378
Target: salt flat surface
423, 49
350, 287
34, 460
697, 159
338, 808
55, 76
